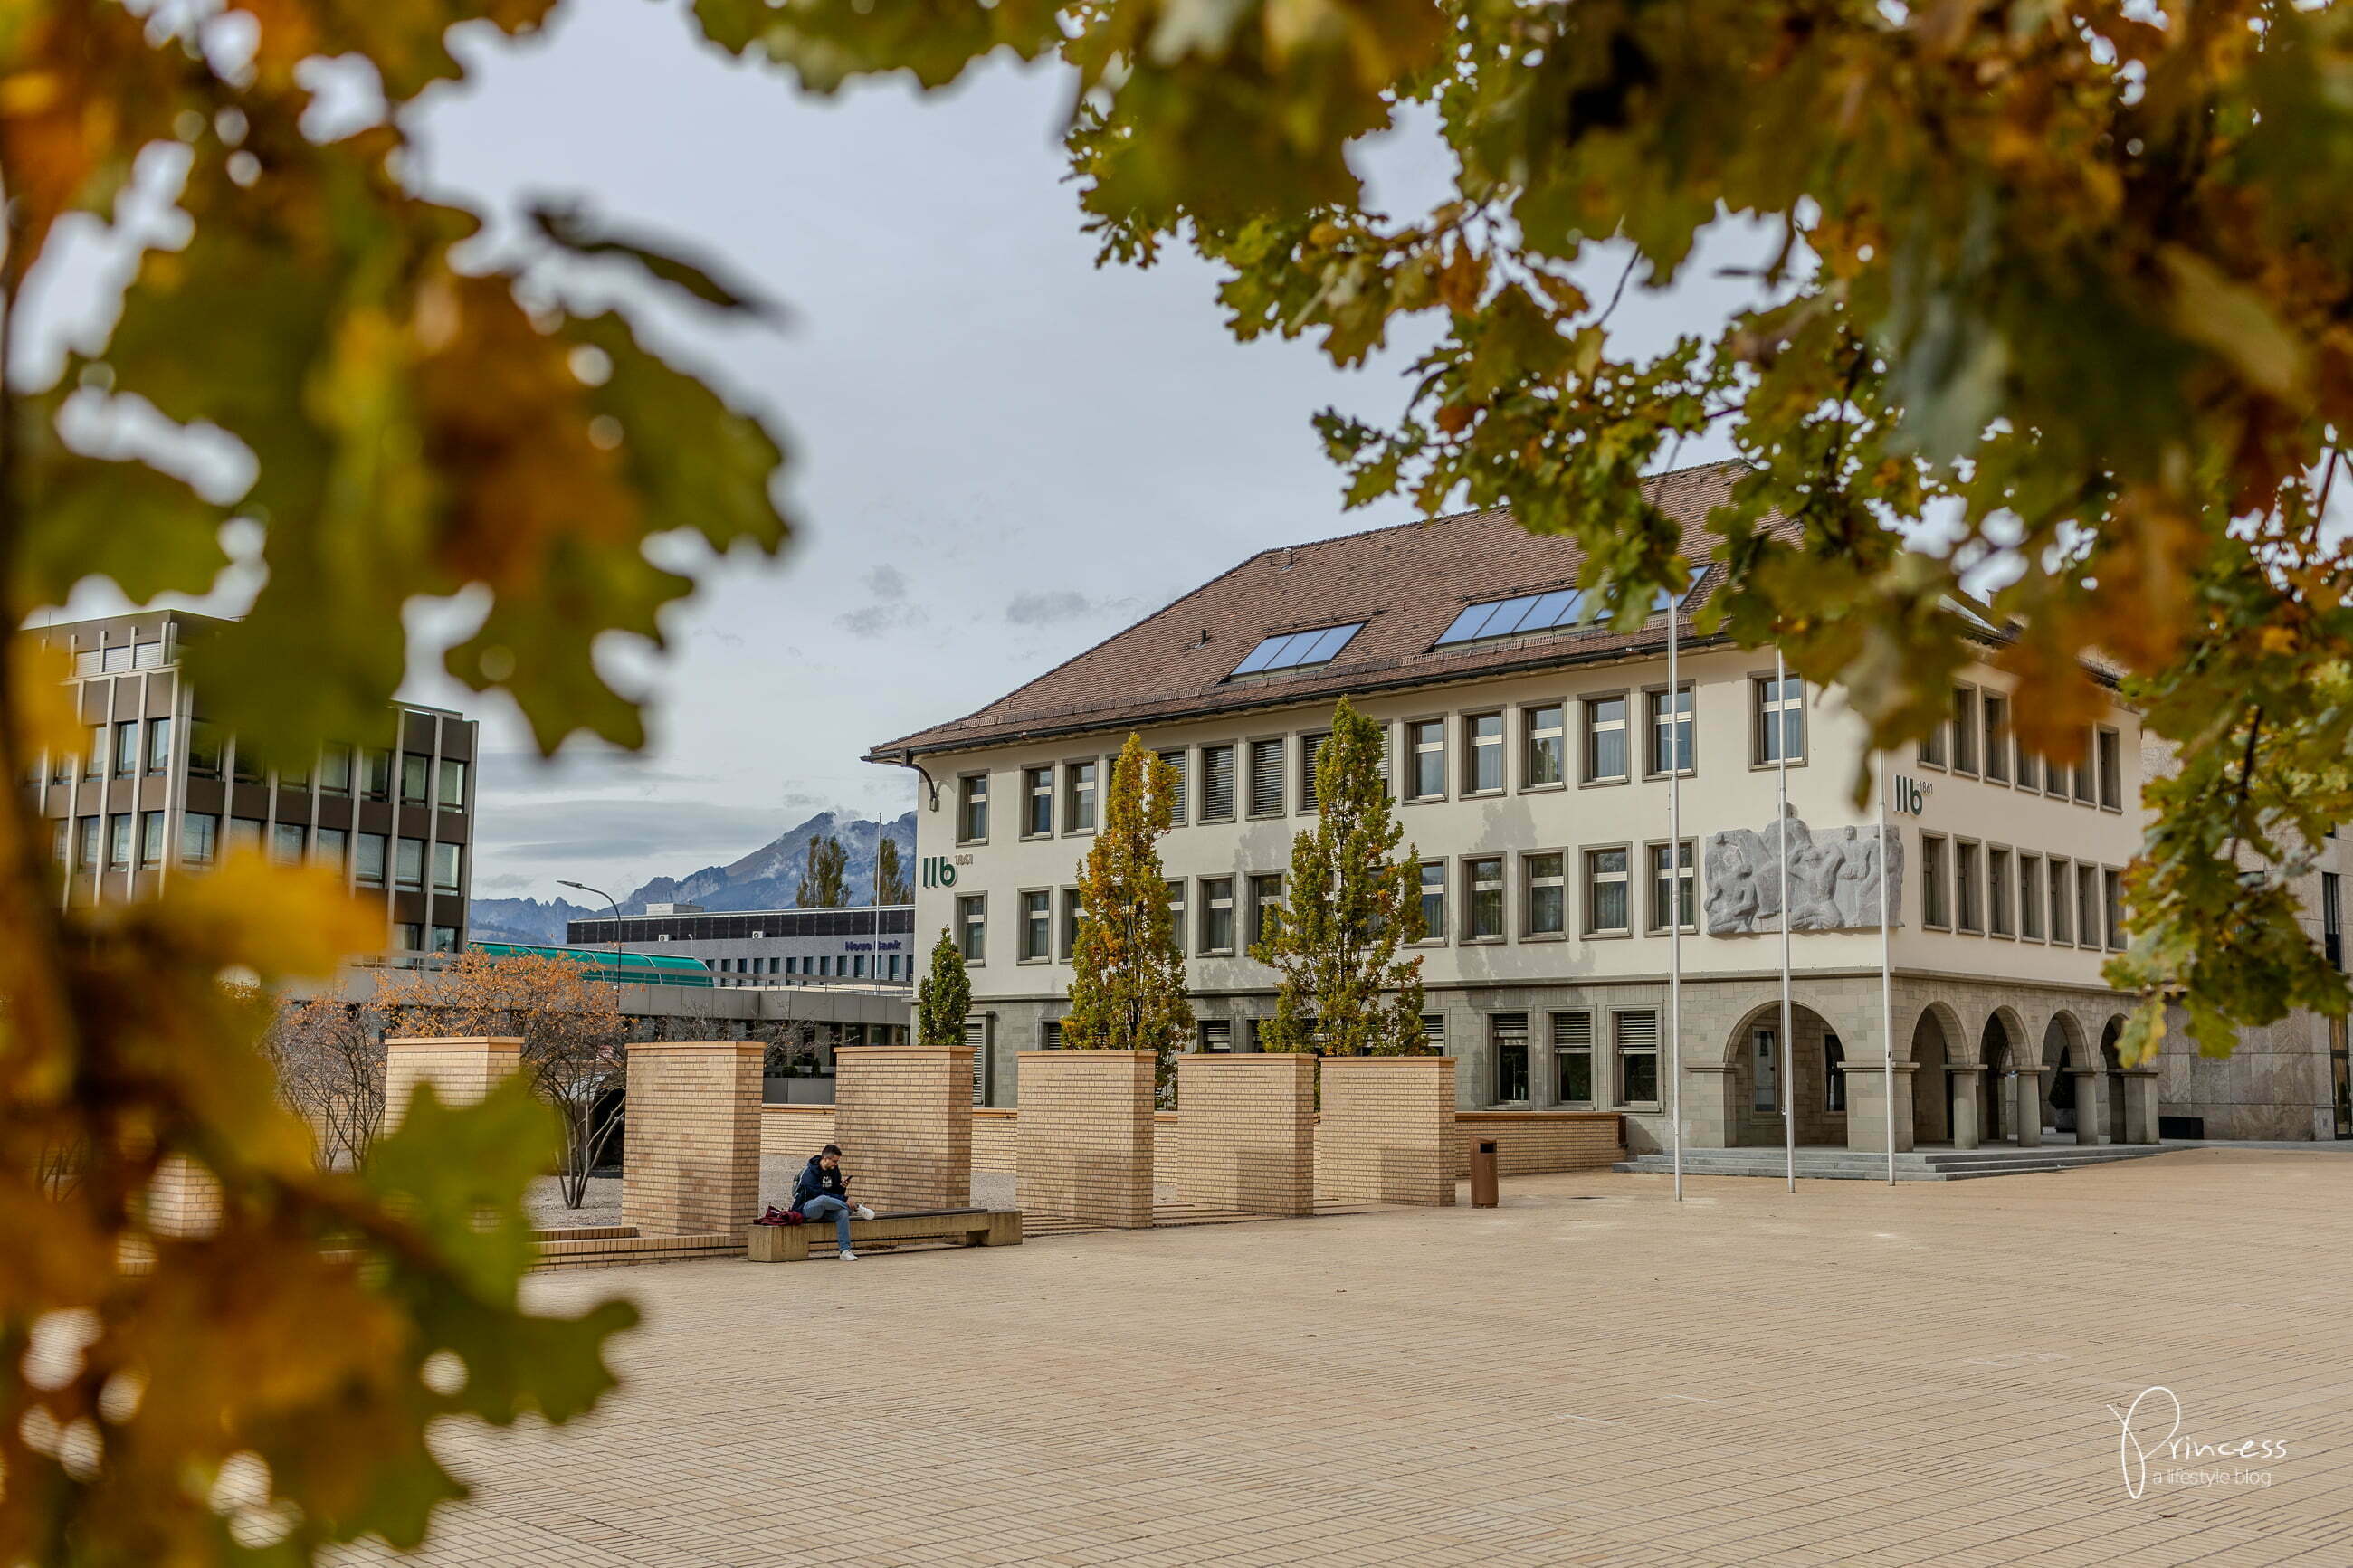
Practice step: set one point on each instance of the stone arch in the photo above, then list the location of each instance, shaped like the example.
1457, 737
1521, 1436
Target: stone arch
2063, 1053
1934, 1042
2112, 1077
2001, 1050
1816, 1055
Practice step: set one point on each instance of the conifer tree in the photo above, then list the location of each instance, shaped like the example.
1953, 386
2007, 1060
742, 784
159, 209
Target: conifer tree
944, 997
1127, 984
1348, 907
825, 882
891, 885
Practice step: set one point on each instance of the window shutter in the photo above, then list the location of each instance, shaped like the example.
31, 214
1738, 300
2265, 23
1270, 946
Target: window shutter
976, 1035
1177, 761
1218, 782
1638, 1031
1266, 778
1572, 1031
1217, 1035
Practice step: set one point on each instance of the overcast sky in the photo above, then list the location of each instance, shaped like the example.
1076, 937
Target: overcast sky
1001, 454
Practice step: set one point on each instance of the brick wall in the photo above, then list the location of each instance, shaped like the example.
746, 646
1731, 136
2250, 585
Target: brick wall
691, 1162
795, 1132
183, 1199
1247, 1139
902, 1115
1531, 1141
1387, 1134
461, 1070
1085, 1133
996, 1142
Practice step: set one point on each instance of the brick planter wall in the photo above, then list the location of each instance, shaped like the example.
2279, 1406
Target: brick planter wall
461, 1070
1246, 1139
794, 1133
692, 1160
996, 1145
902, 1115
1387, 1131
1085, 1133
1530, 1141
183, 1199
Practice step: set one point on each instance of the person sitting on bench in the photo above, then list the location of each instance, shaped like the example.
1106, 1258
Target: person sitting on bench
823, 1192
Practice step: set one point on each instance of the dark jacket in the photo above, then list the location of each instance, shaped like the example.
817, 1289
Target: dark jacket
816, 1179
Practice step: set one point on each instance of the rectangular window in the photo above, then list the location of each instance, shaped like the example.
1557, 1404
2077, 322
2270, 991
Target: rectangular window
2087, 906
1545, 761
1177, 917
972, 810
447, 858
1310, 755
2029, 768
1508, 1032
1605, 739
294, 777
1266, 778
1484, 877
972, 927
1426, 777
1074, 915
1216, 914
126, 748
1217, 1037
2062, 927
1433, 900
328, 848
117, 659
94, 767
1671, 887
1079, 797
1637, 1057
118, 843
411, 938
1998, 893
1604, 890
61, 767
1671, 732
1037, 927
453, 785
1038, 792
2029, 897
2332, 919
245, 834
376, 774
286, 844
445, 938
1483, 773
408, 863
1968, 900
2111, 887
368, 860
244, 762
1544, 900
2110, 756
1964, 729
1932, 748
61, 843
2082, 772
413, 766
159, 747
335, 771
1997, 737
1266, 907
1572, 1056
199, 836
1217, 783
93, 834
1935, 908
1780, 726
1177, 758
151, 839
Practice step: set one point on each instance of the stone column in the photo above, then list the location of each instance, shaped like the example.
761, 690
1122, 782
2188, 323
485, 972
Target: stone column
461, 1070
1709, 1114
1246, 1139
902, 1115
1387, 1132
2141, 1105
1966, 1080
2026, 1105
1085, 1137
1866, 1105
2090, 1106
691, 1157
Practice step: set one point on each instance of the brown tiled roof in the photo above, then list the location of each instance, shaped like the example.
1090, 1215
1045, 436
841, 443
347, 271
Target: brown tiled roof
1405, 583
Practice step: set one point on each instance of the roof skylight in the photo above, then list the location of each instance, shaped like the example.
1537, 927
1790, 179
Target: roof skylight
1526, 612
1296, 650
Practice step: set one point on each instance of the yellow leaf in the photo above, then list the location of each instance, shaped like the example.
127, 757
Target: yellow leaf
44, 699
279, 921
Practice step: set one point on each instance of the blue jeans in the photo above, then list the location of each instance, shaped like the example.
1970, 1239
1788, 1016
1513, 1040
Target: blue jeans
824, 1204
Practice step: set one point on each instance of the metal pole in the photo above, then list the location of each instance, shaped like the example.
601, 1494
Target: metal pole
1675, 925
1788, 1055
617, 921
1887, 967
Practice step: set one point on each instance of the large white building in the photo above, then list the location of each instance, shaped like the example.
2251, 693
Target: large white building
1530, 757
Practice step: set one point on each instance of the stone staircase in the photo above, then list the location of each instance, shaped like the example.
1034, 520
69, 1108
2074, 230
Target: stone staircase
1917, 1165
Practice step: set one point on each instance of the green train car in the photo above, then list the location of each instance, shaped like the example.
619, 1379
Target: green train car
636, 968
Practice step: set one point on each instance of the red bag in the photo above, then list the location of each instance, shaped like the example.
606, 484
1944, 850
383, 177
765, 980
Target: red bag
778, 1216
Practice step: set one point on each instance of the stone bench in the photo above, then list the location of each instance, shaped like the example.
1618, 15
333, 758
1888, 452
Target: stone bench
963, 1227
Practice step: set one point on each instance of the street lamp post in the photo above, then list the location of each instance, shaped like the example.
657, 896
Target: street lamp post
617, 921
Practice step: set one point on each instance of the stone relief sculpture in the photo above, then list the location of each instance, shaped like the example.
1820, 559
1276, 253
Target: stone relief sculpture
1833, 882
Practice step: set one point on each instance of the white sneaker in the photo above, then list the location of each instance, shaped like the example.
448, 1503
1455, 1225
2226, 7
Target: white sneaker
848, 1256
864, 1211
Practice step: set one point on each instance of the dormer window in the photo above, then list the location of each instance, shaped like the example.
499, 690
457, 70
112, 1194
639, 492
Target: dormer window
1297, 650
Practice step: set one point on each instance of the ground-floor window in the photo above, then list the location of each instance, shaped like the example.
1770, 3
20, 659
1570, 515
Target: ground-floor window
1572, 1051
1637, 1057
1509, 1033
1833, 1073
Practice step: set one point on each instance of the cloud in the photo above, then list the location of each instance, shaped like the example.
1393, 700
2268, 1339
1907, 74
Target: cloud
876, 620
508, 772
1049, 608
887, 582
674, 830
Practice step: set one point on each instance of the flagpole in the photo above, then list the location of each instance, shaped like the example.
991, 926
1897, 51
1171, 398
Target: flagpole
1789, 1054
1887, 967
1675, 924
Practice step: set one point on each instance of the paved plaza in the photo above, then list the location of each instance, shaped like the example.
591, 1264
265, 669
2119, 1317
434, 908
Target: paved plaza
1851, 1376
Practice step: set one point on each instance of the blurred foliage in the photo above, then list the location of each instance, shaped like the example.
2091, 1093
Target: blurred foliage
413, 421
2073, 282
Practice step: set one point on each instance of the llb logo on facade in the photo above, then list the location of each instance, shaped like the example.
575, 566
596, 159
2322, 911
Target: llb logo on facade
940, 871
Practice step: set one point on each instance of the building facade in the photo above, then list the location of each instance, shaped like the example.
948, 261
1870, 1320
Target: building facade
750, 949
160, 790
1530, 757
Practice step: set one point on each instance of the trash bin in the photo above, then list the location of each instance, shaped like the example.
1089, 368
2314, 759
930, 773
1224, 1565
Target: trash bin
1482, 1175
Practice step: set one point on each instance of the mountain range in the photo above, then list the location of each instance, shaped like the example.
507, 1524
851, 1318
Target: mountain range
766, 879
